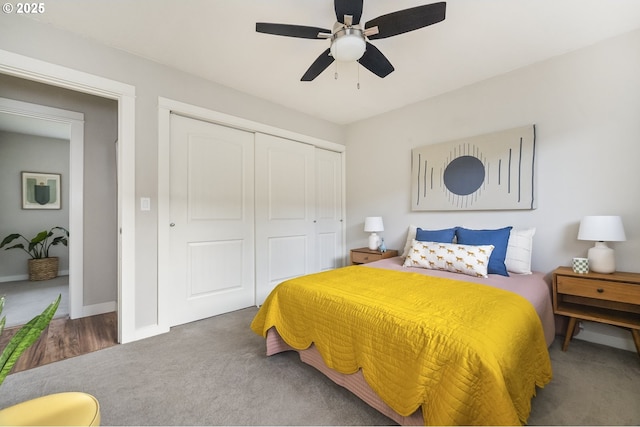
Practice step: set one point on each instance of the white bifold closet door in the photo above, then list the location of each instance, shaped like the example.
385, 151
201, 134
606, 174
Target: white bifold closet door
212, 220
285, 212
329, 222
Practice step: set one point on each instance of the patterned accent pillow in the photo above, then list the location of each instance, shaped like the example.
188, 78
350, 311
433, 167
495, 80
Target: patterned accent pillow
465, 259
498, 238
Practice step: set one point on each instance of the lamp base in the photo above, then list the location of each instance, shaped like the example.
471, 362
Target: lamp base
601, 258
374, 241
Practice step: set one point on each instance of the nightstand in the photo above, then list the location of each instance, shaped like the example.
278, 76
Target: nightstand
613, 299
366, 255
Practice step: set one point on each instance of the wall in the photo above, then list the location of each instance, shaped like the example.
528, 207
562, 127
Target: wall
100, 267
151, 80
585, 106
29, 153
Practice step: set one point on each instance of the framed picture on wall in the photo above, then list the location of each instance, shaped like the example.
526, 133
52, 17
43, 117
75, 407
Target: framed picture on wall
40, 190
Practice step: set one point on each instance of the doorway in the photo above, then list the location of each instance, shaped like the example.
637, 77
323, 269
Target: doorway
40, 71
46, 139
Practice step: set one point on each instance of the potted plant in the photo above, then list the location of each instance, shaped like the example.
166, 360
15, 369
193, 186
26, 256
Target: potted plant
41, 265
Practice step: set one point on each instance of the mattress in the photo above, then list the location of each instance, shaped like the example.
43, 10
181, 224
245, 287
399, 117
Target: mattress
477, 393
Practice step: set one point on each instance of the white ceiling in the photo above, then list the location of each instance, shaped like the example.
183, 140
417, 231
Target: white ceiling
216, 39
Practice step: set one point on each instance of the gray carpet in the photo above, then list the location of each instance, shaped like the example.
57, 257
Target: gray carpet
214, 372
26, 299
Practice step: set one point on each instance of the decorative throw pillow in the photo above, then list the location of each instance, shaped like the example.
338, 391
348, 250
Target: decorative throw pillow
466, 259
411, 235
445, 236
442, 236
498, 238
518, 257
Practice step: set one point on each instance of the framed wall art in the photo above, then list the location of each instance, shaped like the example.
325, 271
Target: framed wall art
487, 172
40, 190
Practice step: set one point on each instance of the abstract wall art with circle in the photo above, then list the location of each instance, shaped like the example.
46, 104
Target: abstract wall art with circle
487, 172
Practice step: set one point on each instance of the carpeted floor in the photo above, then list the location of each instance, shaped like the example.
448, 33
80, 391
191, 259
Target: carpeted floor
214, 372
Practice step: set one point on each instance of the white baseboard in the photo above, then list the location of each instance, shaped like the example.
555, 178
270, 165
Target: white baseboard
92, 310
18, 277
611, 336
149, 331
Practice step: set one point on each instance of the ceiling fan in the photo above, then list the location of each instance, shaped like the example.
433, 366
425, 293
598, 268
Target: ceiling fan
349, 40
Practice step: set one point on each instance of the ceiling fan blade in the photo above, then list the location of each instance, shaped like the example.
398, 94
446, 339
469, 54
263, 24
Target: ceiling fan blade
348, 7
300, 31
407, 20
374, 61
319, 65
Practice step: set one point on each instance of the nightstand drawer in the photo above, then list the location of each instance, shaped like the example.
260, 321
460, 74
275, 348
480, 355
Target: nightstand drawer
366, 255
598, 289
363, 258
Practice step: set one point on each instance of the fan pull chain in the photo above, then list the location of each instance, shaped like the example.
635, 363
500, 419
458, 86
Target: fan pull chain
358, 66
335, 75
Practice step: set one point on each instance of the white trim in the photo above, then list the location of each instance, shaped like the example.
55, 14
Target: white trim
164, 165
93, 309
165, 107
76, 220
75, 123
56, 75
346, 259
20, 277
127, 221
244, 124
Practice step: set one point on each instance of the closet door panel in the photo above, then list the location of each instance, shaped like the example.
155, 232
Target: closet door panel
285, 211
329, 210
212, 220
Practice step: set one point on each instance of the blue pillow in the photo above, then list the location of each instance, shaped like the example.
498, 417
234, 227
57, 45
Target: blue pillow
498, 238
439, 236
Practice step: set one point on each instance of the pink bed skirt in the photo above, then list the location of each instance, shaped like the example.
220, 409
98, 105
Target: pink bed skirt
355, 383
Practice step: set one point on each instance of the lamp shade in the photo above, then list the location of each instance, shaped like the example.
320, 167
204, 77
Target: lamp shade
348, 45
373, 224
602, 229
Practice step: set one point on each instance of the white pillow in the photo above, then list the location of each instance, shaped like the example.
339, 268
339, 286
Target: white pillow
519, 248
411, 235
466, 259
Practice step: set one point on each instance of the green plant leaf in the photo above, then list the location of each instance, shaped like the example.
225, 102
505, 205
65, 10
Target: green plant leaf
18, 246
38, 247
10, 238
25, 337
4, 318
58, 240
40, 236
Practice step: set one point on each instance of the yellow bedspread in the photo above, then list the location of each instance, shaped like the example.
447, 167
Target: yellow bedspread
468, 354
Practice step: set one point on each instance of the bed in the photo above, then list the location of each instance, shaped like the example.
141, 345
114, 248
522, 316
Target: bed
416, 343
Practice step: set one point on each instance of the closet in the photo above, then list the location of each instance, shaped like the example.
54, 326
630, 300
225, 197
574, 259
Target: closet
247, 210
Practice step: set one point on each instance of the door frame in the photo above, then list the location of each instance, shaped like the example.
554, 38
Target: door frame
165, 107
56, 75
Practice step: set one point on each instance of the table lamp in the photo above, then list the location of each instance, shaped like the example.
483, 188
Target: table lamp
601, 229
373, 225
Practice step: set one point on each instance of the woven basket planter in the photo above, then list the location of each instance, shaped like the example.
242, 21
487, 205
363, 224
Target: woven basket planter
43, 268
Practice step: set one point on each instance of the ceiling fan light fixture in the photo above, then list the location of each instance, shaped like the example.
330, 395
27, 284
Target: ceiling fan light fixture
348, 45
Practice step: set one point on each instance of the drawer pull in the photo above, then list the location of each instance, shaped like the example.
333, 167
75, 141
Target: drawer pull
600, 290
366, 258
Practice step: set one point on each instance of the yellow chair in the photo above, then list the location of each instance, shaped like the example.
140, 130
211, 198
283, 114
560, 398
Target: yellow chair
60, 409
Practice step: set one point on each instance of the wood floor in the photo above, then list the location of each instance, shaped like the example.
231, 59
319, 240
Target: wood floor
66, 338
